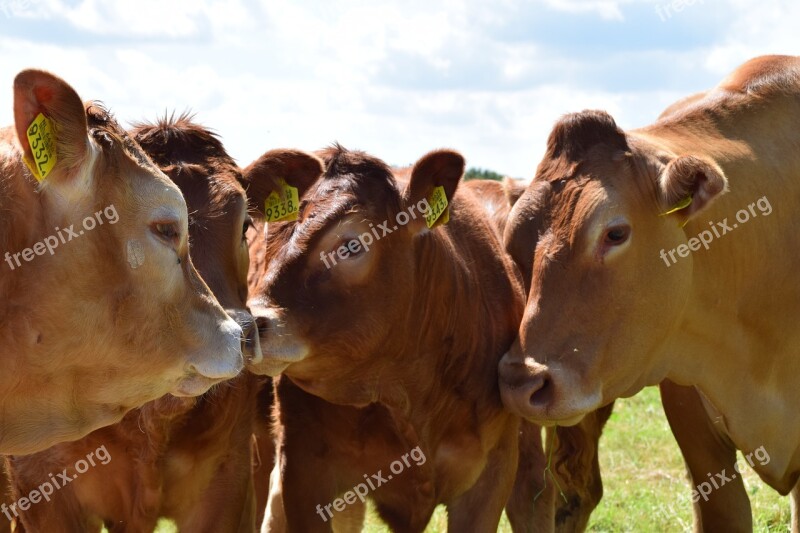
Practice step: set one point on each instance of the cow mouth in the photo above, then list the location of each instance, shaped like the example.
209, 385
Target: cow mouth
194, 385
268, 366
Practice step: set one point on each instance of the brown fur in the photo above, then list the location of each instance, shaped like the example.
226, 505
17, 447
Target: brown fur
185, 459
85, 336
412, 352
588, 235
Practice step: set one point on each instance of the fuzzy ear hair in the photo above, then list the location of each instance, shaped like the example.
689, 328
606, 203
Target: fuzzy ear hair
62, 136
689, 184
440, 168
262, 177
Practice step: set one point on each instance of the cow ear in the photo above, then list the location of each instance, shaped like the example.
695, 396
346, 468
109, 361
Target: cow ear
689, 184
440, 168
49, 114
262, 177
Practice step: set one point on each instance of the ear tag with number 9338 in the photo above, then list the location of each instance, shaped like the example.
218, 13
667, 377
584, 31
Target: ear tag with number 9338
282, 210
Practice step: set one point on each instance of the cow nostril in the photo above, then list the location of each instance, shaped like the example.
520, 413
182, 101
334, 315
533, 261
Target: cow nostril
541, 391
262, 323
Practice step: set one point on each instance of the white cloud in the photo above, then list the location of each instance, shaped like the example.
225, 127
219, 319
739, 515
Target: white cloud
607, 9
395, 78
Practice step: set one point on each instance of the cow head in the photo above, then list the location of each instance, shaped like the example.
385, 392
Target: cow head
586, 235
332, 289
121, 311
195, 159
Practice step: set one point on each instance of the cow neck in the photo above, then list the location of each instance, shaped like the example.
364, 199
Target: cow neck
450, 349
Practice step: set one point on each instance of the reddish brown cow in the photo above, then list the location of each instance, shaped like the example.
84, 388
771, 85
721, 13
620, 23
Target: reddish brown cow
191, 458
404, 337
575, 460
101, 309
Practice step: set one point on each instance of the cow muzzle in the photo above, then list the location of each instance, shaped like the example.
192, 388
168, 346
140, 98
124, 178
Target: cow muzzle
531, 390
218, 360
251, 341
280, 345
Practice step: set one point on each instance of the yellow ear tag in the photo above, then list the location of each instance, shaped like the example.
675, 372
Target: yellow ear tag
683, 204
42, 138
438, 213
286, 209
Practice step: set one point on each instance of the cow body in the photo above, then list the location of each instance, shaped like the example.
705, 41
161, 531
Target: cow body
587, 232
393, 352
96, 274
183, 458
575, 466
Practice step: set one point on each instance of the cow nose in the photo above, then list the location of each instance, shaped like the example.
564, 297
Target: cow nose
251, 342
526, 387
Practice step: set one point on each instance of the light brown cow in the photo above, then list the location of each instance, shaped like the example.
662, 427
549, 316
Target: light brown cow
100, 306
405, 337
185, 459
705, 295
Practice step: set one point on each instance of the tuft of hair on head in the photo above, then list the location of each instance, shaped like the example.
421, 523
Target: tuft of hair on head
575, 134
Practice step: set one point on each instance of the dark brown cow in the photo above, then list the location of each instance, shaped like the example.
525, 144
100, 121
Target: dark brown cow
101, 309
705, 295
575, 460
189, 460
404, 337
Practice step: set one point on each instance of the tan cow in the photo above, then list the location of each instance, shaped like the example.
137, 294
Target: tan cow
101, 309
188, 459
705, 295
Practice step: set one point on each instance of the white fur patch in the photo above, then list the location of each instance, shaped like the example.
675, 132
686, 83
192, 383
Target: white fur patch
135, 253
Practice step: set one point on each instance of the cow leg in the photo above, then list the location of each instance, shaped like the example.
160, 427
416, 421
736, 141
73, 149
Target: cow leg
351, 520
706, 451
228, 504
263, 449
576, 465
795, 496
531, 506
479, 509
274, 517
5, 499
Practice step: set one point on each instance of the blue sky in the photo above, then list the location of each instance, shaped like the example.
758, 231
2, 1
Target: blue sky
396, 79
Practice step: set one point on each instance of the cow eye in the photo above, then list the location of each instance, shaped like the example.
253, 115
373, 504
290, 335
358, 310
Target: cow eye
248, 223
617, 235
167, 231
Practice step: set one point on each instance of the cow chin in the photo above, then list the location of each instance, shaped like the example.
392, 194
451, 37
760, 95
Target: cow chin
194, 386
268, 367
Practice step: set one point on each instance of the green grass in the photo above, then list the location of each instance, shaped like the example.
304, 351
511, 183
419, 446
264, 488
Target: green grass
643, 477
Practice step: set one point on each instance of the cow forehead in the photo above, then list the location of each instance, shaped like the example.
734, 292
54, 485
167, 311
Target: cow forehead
560, 208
